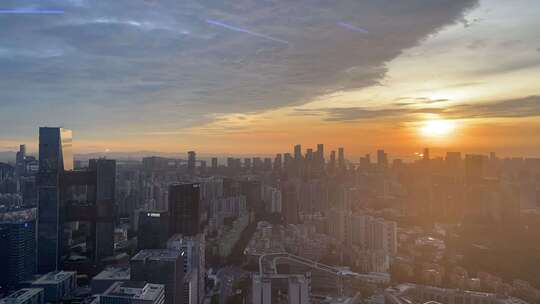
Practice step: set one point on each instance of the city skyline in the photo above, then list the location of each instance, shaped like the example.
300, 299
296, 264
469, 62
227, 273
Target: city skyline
450, 75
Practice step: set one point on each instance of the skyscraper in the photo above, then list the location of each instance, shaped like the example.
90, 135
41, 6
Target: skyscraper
153, 230
67, 196
20, 165
192, 159
162, 266
332, 164
382, 159
105, 201
184, 208
341, 158
214, 163
17, 247
278, 162
55, 156
298, 152
320, 152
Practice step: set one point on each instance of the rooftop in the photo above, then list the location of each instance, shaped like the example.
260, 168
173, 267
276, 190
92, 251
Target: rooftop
55, 277
21, 295
114, 273
157, 254
135, 290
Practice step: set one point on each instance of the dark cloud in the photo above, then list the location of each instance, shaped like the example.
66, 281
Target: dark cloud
513, 108
130, 63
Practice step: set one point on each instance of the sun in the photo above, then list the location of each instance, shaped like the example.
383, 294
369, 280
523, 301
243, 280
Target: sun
437, 128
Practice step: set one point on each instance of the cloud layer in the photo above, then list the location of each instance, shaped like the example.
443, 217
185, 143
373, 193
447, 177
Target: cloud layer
129, 64
511, 108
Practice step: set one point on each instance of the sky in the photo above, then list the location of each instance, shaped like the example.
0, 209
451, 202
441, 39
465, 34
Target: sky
258, 76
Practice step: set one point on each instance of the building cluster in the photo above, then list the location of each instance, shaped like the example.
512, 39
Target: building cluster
319, 226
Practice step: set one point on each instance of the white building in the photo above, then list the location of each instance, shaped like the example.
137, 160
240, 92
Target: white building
133, 292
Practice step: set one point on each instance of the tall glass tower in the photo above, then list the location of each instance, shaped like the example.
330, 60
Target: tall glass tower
55, 156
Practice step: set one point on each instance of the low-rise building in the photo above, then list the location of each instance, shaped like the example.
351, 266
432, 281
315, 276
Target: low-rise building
25, 296
134, 292
57, 285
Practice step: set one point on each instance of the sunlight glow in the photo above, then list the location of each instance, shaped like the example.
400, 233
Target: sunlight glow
437, 128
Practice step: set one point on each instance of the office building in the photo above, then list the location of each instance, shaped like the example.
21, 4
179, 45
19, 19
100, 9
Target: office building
17, 246
278, 162
320, 152
192, 159
184, 209
298, 292
261, 290
58, 285
298, 152
161, 266
20, 165
295, 287
105, 279
134, 292
55, 156
332, 163
289, 204
25, 296
341, 158
153, 230
66, 196
194, 265
105, 171
382, 159
214, 163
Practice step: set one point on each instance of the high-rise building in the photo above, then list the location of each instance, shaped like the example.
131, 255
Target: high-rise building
320, 152
162, 266
289, 204
134, 292
341, 158
474, 166
382, 159
55, 157
184, 208
153, 230
425, 155
332, 164
192, 159
194, 265
20, 165
247, 163
261, 290
309, 154
296, 287
105, 170
278, 163
17, 247
66, 196
214, 163
298, 152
